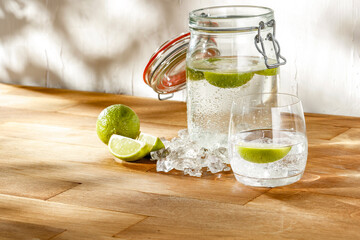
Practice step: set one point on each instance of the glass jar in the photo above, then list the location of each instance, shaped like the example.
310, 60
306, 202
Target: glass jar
231, 52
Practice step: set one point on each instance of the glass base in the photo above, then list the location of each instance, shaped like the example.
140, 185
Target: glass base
267, 182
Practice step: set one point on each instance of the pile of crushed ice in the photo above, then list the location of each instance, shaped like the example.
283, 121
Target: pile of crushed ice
182, 154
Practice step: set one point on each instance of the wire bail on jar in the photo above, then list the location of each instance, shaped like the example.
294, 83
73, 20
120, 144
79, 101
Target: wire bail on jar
270, 37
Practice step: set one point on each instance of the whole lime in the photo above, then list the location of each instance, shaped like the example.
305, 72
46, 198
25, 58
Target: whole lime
117, 119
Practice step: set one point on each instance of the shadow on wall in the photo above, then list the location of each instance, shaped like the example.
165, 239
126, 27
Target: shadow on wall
83, 45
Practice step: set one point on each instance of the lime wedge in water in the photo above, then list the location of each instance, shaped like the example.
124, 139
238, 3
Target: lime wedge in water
228, 80
263, 155
194, 75
153, 143
127, 149
268, 72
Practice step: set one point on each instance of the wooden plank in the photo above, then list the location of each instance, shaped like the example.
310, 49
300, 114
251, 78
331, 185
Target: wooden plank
51, 133
10, 230
335, 164
333, 120
34, 116
219, 187
40, 104
160, 130
166, 204
52, 151
76, 220
245, 223
346, 143
82, 236
350, 138
314, 180
306, 203
148, 110
13, 183
60, 127
209, 220
324, 132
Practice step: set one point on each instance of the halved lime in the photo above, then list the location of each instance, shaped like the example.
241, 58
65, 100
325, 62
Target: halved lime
228, 80
263, 155
153, 143
193, 74
268, 72
127, 149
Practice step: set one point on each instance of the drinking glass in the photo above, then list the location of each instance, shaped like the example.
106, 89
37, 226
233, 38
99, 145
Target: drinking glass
267, 139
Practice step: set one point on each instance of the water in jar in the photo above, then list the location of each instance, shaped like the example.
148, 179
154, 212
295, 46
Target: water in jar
212, 85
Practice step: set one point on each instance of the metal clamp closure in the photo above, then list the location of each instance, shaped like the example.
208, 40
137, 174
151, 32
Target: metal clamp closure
165, 98
270, 37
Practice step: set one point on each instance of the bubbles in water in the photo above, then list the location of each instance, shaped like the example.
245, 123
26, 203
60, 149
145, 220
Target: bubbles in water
184, 155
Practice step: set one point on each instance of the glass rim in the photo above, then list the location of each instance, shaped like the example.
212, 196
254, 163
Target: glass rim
229, 18
297, 101
196, 13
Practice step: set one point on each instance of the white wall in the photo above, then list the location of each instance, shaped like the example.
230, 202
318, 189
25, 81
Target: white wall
103, 45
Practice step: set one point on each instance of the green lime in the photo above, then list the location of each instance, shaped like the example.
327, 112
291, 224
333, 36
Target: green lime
268, 72
127, 149
262, 155
228, 80
117, 119
153, 143
193, 74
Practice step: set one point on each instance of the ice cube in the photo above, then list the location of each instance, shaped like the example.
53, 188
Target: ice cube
182, 154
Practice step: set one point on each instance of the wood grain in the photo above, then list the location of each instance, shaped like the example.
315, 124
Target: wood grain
11, 230
60, 182
16, 184
75, 219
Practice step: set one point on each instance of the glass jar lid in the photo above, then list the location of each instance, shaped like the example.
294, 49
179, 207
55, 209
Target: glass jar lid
165, 73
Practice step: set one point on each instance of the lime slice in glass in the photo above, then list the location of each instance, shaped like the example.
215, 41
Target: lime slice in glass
263, 154
228, 80
127, 149
268, 72
153, 143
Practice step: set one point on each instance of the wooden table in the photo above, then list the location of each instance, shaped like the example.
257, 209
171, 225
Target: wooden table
58, 181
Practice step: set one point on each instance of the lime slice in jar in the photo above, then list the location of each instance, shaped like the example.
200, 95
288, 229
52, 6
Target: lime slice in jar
193, 74
262, 154
228, 80
268, 72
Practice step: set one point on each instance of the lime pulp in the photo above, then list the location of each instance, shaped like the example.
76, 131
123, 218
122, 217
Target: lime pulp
127, 149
